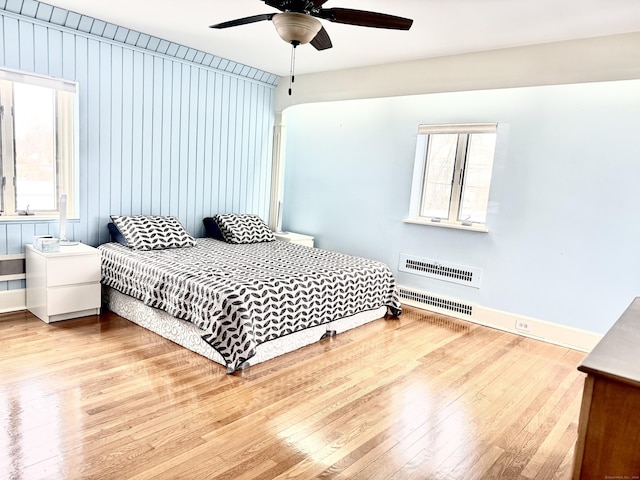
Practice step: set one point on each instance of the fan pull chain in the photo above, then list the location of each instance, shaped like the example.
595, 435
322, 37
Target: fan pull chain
292, 77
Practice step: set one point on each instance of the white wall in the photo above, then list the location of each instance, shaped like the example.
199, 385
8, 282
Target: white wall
563, 239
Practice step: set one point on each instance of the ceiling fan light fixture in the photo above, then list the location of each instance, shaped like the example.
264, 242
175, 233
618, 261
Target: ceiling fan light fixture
297, 28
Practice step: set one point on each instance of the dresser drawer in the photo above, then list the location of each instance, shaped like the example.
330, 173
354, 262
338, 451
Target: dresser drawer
73, 298
73, 270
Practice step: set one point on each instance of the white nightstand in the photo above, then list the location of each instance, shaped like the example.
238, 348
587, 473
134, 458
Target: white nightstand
64, 284
298, 238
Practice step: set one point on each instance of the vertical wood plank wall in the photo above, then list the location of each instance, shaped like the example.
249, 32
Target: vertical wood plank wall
164, 129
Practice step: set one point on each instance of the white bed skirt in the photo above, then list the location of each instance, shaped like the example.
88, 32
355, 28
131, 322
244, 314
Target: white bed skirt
189, 336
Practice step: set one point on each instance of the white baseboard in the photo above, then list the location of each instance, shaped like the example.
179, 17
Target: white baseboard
13, 300
554, 333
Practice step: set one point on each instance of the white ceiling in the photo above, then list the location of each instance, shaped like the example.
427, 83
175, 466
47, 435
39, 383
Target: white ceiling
441, 27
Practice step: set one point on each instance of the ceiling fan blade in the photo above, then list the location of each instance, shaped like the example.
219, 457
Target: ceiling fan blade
322, 41
243, 21
319, 3
364, 18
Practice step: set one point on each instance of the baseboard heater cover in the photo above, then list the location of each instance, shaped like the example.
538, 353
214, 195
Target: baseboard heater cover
449, 272
12, 267
440, 303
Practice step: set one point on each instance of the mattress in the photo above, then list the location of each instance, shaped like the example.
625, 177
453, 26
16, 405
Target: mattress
242, 296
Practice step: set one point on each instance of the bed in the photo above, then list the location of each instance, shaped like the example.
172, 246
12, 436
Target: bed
244, 297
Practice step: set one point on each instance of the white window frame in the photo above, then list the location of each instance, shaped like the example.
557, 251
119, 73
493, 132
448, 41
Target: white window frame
420, 170
66, 144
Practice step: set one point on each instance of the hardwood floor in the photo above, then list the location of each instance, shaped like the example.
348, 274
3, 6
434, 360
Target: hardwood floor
423, 396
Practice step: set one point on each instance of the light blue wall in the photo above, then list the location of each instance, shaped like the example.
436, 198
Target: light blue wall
164, 129
564, 226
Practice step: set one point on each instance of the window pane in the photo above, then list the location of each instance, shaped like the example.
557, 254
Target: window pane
436, 192
34, 131
477, 179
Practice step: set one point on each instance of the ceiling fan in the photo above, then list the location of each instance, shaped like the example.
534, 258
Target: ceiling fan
298, 23
299, 26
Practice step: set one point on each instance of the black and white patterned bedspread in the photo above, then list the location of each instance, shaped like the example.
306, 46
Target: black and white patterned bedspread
245, 295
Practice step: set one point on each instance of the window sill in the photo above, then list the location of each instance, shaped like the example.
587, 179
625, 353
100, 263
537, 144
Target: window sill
455, 226
32, 218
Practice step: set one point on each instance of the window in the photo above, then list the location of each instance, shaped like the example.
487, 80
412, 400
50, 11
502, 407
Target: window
37, 144
452, 174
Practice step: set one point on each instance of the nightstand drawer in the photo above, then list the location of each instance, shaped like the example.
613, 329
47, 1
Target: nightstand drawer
73, 270
73, 298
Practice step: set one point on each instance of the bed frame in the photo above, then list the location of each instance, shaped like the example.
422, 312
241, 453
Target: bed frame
188, 335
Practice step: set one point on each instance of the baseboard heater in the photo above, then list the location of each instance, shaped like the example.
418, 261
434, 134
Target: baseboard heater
12, 267
434, 303
449, 272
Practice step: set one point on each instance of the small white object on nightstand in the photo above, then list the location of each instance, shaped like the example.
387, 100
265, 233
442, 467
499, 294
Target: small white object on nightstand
64, 284
298, 238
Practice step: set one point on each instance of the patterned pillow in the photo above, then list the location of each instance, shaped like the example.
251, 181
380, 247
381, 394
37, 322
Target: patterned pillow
148, 232
243, 228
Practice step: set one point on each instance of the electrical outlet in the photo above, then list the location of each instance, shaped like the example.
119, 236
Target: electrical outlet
523, 326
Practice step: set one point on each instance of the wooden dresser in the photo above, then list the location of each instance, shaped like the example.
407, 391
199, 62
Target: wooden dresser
608, 443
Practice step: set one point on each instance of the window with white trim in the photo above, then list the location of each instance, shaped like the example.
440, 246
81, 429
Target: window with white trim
37, 144
452, 174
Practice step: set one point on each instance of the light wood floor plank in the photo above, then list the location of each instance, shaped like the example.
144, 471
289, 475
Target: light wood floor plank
424, 396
